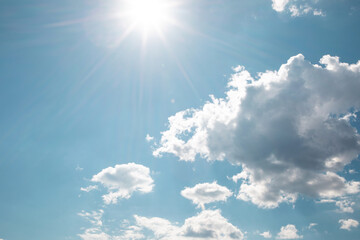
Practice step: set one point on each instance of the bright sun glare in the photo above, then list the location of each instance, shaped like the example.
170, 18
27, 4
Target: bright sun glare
149, 14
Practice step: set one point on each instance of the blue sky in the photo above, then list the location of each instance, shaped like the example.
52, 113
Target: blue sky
108, 134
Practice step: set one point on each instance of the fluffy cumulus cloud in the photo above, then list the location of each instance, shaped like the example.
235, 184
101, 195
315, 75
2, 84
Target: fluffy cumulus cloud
297, 8
266, 234
347, 224
161, 228
123, 180
209, 224
204, 193
289, 129
288, 232
279, 5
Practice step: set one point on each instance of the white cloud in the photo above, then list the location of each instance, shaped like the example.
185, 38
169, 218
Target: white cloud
312, 225
266, 234
132, 233
93, 217
206, 193
238, 68
345, 205
318, 12
297, 11
89, 188
96, 231
209, 224
149, 138
347, 224
239, 176
162, 228
285, 129
122, 180
296, 8
288, 232
94, 234
78, 168
279, 5
352, 171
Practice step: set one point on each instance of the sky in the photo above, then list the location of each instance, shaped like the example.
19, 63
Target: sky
179, 119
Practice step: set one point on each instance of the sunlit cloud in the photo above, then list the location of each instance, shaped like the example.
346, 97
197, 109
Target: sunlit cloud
123, 180
348, 224
279, 127
288, 232
297, 8
204, 193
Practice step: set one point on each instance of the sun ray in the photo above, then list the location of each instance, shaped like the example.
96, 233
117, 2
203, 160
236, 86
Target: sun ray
178, 63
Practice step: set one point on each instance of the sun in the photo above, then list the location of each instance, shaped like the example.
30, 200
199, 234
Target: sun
149, 14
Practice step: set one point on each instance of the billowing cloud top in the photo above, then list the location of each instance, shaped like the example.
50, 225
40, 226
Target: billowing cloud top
122, 180
289, 129
209, 224
288, 232
206, 193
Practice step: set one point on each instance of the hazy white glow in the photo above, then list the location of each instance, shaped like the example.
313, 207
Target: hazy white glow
149, 14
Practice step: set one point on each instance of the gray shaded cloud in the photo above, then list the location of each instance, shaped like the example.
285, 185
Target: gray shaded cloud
289, 130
